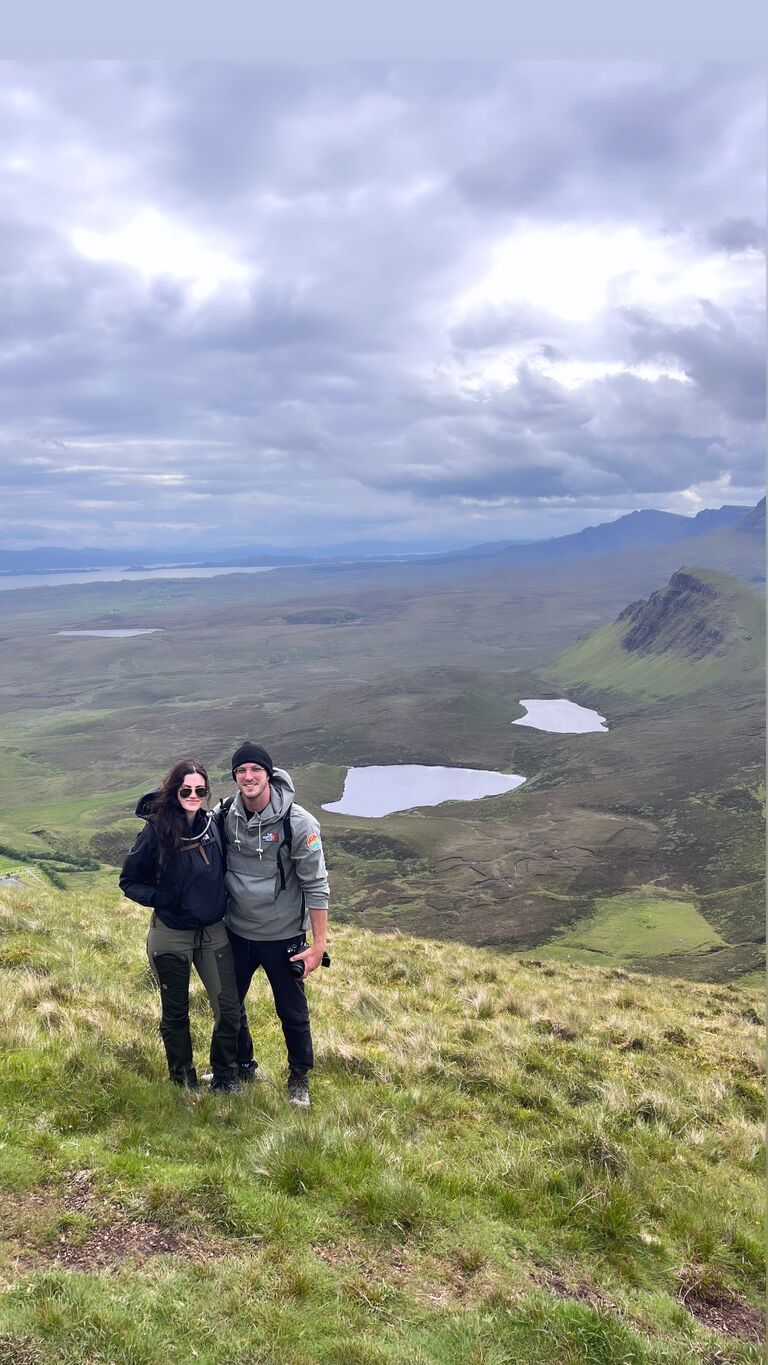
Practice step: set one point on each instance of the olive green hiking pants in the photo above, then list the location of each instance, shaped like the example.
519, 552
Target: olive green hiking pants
172, 955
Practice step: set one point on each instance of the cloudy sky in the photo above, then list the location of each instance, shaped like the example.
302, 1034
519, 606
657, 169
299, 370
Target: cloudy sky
305, 305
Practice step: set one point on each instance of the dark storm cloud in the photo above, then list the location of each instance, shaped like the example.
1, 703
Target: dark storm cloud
226, 287
723, 355
737, 234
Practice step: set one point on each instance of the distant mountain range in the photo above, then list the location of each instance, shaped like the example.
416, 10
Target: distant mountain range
52, 558
636, 530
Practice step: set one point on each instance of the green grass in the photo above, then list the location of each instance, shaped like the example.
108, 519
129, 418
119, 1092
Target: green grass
505, 1162
9, 864
635, 925
753, 981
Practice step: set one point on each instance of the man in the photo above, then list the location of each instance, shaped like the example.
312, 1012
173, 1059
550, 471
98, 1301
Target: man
277, 886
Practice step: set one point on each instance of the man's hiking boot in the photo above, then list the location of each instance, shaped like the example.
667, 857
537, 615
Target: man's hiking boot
298, 1090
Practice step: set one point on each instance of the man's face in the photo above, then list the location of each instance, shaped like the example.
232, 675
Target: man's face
253, 782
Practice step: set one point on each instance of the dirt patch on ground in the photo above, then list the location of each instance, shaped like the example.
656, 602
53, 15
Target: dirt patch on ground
720, 1310
75, 1228
584, 1292
14, 1351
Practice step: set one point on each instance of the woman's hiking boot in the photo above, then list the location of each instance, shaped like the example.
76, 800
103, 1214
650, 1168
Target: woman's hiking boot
247, 1074
229, 1085
188, 1081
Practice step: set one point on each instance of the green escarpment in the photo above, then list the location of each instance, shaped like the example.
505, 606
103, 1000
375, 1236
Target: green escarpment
703, 628
634, 926
498, 1165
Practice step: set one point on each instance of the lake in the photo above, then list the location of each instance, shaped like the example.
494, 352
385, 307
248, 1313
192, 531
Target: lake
111, 634
55, 580
377, 791
560, 717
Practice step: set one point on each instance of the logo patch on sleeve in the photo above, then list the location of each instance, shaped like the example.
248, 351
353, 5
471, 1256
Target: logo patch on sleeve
313, 840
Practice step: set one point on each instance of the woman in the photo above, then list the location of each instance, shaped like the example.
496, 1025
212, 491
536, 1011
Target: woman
176, 867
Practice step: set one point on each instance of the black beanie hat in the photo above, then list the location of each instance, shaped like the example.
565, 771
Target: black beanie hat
252, 753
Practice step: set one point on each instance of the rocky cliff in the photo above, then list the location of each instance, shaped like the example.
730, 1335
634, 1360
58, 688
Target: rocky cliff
689, 616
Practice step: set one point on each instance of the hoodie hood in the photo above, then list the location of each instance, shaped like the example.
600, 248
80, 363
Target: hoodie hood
200, 825
144, 804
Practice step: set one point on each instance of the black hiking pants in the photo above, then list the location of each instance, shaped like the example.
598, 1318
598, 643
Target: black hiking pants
289, 996
172, 955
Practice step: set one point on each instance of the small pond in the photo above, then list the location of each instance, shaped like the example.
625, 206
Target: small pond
560, 717
377, 791
111, 634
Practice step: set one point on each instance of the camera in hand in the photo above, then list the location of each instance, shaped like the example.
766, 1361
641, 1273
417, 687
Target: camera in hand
300, 945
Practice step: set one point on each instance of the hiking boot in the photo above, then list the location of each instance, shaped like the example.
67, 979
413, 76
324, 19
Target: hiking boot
298, 1091
229, 1085
249, 1073
188, 1082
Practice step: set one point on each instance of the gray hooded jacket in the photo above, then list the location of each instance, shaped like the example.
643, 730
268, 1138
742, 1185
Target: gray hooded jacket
269, 889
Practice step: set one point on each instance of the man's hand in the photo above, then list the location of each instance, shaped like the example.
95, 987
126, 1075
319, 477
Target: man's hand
311, 957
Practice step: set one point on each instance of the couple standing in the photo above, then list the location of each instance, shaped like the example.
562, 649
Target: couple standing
231, 890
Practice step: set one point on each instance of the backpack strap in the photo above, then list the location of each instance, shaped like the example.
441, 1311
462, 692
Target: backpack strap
221, 824
288, 837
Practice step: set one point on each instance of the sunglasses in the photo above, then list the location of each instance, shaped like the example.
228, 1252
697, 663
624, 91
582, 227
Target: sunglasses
193, 791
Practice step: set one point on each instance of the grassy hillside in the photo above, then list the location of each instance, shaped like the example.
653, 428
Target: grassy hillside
505, 1162
704, 628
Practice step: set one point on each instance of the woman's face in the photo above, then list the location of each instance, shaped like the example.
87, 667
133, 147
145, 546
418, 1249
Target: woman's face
191, 793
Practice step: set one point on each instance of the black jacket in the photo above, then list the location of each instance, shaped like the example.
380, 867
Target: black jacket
186, 891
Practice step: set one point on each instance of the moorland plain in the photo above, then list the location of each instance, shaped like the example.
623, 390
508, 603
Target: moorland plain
404, 663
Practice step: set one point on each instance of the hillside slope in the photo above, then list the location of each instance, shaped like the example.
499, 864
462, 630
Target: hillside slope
702, 628
504, 1162
754, 521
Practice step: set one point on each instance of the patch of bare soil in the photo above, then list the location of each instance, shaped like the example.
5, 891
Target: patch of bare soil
720, 1310
583, 1291
38, 1225
122, 1241
15, 1351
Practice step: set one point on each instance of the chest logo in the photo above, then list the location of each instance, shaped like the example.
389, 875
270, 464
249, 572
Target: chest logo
271, 838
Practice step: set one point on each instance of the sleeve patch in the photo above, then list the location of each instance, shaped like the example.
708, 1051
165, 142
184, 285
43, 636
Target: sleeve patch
313, 840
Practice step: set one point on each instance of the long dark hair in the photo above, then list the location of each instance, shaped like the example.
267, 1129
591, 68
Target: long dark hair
168, 818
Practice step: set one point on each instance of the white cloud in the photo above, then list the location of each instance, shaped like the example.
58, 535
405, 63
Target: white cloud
156, 247
575, 273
